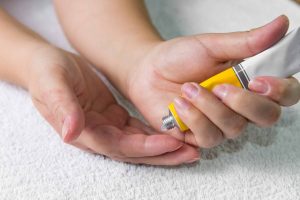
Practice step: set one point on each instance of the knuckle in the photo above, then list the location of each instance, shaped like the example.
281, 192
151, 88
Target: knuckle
213, 139
280, 92
236, 126
193, 117
297, 83
287, 93
56, 112
297, 91
55, 103
119, 151
207, 137
237, 99
249, 42
294, 95
297, 99
273, 115
56, 108
112, 150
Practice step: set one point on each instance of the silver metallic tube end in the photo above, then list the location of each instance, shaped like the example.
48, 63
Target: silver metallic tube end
168, 122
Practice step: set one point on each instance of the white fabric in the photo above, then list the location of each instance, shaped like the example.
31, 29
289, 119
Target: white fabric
35, 164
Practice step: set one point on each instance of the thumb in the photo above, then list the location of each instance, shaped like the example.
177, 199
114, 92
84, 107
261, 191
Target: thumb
240, 45
66, 110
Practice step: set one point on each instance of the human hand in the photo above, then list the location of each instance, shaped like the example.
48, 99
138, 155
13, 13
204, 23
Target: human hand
71, 97
168, 65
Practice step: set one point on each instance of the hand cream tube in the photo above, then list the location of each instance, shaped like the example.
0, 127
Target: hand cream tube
281, 60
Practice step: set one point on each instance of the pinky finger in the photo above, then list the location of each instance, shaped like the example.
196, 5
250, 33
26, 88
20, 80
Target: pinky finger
186, 154
285, 91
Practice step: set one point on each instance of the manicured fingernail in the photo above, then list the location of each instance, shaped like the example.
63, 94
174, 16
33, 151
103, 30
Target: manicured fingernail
65, 128
193, 160
220, 91
190, 90
259, 86
181, 103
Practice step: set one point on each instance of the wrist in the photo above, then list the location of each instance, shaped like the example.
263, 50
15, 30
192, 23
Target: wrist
34, 60
131, 63
126, 63
14, 66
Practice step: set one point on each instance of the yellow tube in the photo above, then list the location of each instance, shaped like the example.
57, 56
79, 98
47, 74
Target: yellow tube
228, 76
282, 57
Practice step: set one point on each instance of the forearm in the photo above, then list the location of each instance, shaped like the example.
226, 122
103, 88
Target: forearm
112, 35
17, 43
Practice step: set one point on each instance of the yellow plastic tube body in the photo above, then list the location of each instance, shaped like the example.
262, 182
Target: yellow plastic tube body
227, 76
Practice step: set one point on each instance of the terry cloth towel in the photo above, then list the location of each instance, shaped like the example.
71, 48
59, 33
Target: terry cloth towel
35, 164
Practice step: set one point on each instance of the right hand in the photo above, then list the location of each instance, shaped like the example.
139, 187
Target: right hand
71, 97
168, 66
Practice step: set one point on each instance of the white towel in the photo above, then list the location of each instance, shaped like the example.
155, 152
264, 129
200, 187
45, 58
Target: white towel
35, 164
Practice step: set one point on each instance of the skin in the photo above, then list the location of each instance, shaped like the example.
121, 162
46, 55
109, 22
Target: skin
72, 98
165, 71
83, 111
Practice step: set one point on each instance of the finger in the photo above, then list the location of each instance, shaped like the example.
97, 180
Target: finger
228, 121
62, 102
221, 50
137, 145
239, 45
186, 154
256, 108
113, 142
83, 147
284, 91
187, 137
206, 133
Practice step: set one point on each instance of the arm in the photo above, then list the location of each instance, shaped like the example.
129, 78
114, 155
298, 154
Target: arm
17, 44
119, 39
27, 60
77, 104
113, 34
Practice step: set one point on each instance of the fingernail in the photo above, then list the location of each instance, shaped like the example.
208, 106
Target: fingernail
65, 128
181, 103
190, 90
220, 91
193, 160
259, 86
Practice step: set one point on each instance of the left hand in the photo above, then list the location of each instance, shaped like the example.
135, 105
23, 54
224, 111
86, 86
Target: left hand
158, 79
82, 110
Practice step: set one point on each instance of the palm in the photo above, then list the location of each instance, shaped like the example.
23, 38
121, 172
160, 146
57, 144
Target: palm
193, 59
64, 87
65, 75
103, 117
105, 120
167, 68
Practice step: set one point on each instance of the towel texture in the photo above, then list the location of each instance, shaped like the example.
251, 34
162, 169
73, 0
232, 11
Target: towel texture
35, 164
